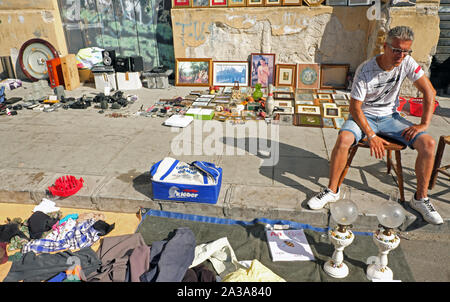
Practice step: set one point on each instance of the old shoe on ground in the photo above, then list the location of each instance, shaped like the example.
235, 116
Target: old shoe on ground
321, 199
426, 208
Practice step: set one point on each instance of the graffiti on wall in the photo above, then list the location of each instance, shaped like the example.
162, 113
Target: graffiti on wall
130, 27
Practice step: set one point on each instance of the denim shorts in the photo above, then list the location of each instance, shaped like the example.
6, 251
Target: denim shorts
389, 125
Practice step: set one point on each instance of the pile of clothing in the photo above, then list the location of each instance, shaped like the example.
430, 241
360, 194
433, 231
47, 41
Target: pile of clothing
56, 249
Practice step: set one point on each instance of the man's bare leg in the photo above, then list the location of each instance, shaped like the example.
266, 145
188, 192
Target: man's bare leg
339, 157
425, 146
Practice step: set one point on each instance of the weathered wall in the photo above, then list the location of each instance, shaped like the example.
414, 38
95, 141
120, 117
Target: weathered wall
21, 20
303, 34
295, 34
424, 20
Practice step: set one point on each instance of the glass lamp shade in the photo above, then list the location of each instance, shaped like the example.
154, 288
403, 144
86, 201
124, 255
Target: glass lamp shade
391, 214
344, 211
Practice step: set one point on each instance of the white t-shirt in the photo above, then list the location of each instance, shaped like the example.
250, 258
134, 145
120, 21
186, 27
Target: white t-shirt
379, 89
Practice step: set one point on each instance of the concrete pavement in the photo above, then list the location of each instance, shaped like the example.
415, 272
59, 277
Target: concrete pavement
114, 154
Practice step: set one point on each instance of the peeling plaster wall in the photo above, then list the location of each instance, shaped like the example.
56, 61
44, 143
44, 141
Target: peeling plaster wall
21, 20
303, 34
295, 34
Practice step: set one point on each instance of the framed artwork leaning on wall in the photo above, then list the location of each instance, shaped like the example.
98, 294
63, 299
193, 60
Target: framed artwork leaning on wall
193, 72
262, 69
225, 73
234, 3
181, 3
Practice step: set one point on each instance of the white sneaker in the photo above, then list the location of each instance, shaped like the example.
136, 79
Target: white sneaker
321, 199
426, 208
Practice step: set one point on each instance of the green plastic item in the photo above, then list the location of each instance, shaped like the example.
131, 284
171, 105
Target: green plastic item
257, 94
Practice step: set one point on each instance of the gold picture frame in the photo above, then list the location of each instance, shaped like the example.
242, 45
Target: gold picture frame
286, 75
193, 72
305, 109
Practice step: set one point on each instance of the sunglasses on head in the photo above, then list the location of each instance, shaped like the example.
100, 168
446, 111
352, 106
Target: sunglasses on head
399, 51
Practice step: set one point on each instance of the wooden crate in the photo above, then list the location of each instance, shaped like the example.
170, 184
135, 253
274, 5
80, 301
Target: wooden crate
70, 72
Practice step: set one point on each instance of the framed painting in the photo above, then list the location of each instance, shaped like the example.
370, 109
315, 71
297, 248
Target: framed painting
315, 110
338, 122
193, 72
284, 96
262, 69
342, 102
332, 112
181, 3
291, 2
336, 2
226, 73
397, 3
324, 96
234, 3
200, 3
308, 120
359, 2
304, 97
217, 3
286, 110
255, 2
333, 75
308, 76
282, 89
272, 2
339, 96
286, 75
327, 122
329, 91
283, 103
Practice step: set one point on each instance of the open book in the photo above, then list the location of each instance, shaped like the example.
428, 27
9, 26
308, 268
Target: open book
289, 245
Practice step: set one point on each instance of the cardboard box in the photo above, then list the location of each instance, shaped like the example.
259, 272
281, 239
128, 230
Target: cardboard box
70, 72
128, 80
86, 75
103, 80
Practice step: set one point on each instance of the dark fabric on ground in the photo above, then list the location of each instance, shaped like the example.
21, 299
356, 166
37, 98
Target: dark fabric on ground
114, 254
199, 273
38, 223
171, 258
249, 242
35, 268
8, 231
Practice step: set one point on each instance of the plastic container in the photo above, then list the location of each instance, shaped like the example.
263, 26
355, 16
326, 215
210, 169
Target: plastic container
66, 185
416, 104
402, 101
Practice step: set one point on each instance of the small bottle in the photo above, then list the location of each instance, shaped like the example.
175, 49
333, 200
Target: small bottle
270, 103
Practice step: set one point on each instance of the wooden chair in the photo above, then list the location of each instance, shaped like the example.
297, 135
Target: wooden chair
393, 145
443, 141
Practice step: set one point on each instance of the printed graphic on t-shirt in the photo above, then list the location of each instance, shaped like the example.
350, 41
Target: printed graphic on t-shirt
379, 89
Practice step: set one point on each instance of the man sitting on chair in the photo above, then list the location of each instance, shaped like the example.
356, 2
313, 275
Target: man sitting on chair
374, 99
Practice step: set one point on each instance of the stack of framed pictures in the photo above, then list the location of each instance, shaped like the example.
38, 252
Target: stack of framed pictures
236, 3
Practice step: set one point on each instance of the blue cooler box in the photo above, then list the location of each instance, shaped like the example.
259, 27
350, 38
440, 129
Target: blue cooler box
196, 182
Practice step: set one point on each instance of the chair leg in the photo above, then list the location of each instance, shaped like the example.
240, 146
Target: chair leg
399, 172
389, 161
352, 152
437, 163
